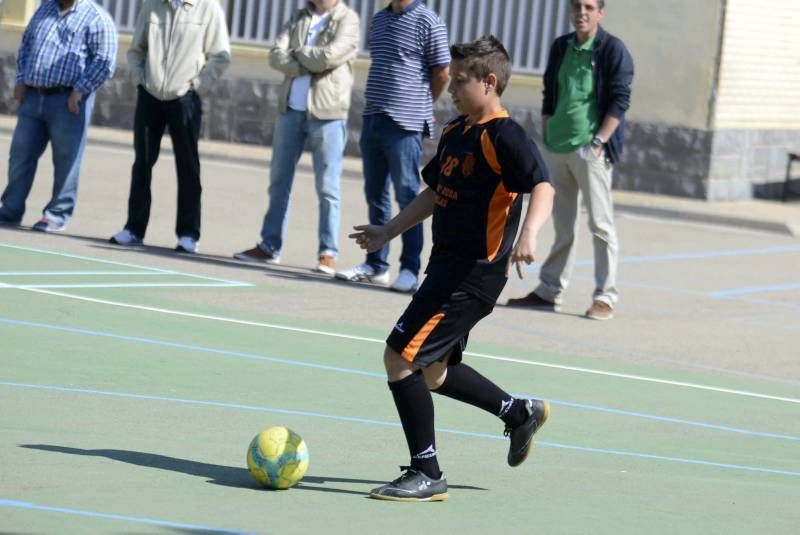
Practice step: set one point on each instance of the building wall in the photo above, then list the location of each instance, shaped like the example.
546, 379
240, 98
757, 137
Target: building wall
675, 47
755, 118
759, 77
694, 128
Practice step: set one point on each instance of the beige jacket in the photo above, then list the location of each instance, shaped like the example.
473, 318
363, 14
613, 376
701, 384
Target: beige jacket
174, 51
330, 62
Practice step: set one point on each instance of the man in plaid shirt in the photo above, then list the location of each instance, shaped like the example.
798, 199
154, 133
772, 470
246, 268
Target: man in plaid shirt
68, 50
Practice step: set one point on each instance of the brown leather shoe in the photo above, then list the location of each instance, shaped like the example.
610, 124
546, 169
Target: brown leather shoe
532, 300
326, 264
600, 310
257, 254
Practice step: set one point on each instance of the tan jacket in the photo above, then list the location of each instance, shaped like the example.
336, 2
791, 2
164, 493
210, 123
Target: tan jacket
330, 62
174, 51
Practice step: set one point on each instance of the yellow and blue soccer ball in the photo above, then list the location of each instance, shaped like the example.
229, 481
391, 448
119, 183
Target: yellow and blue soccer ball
277, 457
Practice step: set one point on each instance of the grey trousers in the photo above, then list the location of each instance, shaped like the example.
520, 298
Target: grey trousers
575, 175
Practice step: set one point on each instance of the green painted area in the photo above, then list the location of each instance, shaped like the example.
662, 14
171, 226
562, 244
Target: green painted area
181, 458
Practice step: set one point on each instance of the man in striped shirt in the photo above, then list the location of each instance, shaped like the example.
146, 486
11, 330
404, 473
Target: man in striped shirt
408, 46
68, 50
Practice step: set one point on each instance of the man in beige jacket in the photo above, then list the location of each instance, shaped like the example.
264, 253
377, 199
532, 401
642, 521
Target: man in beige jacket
315, 51
179, 50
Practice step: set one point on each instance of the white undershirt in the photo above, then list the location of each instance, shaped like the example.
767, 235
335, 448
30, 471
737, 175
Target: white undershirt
298, 94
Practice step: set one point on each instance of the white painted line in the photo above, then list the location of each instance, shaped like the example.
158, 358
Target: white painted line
576, 369
73, 273
79, 257
123, 264
128, 285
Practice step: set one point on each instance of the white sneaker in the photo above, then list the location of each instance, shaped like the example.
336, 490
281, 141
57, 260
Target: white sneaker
364, 273
50, 224
186, 245
405, 282
124, 237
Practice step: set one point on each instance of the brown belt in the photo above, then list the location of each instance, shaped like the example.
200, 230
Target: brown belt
47, 91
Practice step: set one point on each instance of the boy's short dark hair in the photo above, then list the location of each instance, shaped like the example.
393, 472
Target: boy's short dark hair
601, 4
484, 56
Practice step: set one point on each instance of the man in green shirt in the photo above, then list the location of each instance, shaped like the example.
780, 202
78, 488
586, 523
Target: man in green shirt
586, 93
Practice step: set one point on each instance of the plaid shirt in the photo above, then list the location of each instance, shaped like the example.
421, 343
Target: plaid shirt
78, 49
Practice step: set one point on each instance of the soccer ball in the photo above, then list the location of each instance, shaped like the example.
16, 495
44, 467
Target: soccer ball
277, 457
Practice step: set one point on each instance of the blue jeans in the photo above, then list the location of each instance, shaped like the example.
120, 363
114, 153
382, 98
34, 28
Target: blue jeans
327, 139
391, 153
41, 119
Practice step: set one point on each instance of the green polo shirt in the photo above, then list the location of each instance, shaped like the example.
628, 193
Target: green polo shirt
575, 120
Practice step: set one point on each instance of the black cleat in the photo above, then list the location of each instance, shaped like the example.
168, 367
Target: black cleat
522, 435
412, 486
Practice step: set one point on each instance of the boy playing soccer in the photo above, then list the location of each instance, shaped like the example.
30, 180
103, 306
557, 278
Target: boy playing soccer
484, 163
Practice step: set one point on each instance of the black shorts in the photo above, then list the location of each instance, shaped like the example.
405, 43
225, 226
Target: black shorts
436, 323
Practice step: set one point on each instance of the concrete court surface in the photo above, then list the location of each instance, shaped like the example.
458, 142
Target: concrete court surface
715, 300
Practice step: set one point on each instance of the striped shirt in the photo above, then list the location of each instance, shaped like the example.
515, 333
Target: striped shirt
404, 48
77, 49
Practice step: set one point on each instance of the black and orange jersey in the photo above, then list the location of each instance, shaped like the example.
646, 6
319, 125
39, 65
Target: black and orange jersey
479, 173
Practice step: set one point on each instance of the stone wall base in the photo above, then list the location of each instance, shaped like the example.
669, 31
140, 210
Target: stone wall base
712, 165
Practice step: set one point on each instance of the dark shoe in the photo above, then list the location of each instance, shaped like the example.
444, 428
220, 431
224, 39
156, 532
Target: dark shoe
522, 435
412, 486
532, 300
47, 224
600, 310
6, 222
257, 254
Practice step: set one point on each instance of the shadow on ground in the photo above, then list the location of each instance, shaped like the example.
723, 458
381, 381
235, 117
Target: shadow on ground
228, 476
141, 252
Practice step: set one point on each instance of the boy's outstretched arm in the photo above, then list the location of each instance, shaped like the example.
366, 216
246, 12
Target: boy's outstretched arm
373, 237
539, 208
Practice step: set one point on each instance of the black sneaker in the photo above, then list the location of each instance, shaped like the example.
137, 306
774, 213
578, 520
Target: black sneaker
412, 486
522, 435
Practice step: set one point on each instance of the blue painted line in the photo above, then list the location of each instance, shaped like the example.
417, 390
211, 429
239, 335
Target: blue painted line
692, 423
189, 347
382, 376
713, 254
370, 421
681, 291
754, 290
690, 256
148, 521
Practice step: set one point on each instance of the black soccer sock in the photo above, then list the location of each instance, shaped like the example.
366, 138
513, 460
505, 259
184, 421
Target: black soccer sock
415, 406
468, 386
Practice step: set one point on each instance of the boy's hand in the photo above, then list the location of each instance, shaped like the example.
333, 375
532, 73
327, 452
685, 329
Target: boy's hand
370, 237
524, 251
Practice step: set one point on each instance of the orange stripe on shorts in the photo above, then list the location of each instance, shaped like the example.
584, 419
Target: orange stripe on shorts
411, 350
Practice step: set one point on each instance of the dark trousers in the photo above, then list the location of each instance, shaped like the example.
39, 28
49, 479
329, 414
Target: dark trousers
183, 116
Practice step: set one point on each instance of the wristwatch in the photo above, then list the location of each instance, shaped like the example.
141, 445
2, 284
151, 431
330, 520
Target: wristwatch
597, 141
